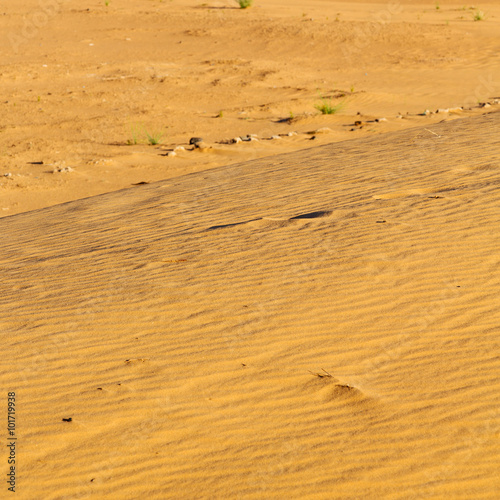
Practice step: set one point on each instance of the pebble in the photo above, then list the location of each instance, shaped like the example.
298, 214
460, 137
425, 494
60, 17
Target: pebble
62, 170
179, 148
171, 153
442, 110
7, 175
323, 130
236, 140
380, 119
485, 105
290, 134
195, 140
202, 146
274, 137
245, 138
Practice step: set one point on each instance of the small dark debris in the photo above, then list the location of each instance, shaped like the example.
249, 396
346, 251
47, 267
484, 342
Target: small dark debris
35, 163
245, 138
312, 138
243, 364
140, 183
312, 215
195, 140
99, 388
321, 375
67, 419
380, 221
92, 480
345, 386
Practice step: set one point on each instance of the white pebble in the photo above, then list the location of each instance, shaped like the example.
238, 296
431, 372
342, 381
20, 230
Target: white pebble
179, 148
62, 170
290, 134
274, 137
171, 153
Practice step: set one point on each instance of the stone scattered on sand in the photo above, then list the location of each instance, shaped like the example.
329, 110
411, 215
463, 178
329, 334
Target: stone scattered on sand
8, 174
442, 110
274, 137
202, 146
380, 120
179, 148
171, 153
245, 138
290, 134
195, 140
236, 140
485, 105
59, 170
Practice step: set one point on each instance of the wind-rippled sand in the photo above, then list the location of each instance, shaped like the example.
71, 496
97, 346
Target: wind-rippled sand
319, 324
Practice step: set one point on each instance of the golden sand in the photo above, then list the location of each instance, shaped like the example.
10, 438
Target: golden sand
281, 318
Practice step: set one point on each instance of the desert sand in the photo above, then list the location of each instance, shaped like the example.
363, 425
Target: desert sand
277, 318
84, 82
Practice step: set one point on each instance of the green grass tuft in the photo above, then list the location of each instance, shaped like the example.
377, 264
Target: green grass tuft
244, 4
139, 131
328, 108
479, 15
153, 137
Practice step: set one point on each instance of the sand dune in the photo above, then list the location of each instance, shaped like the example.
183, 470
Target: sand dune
318, 324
